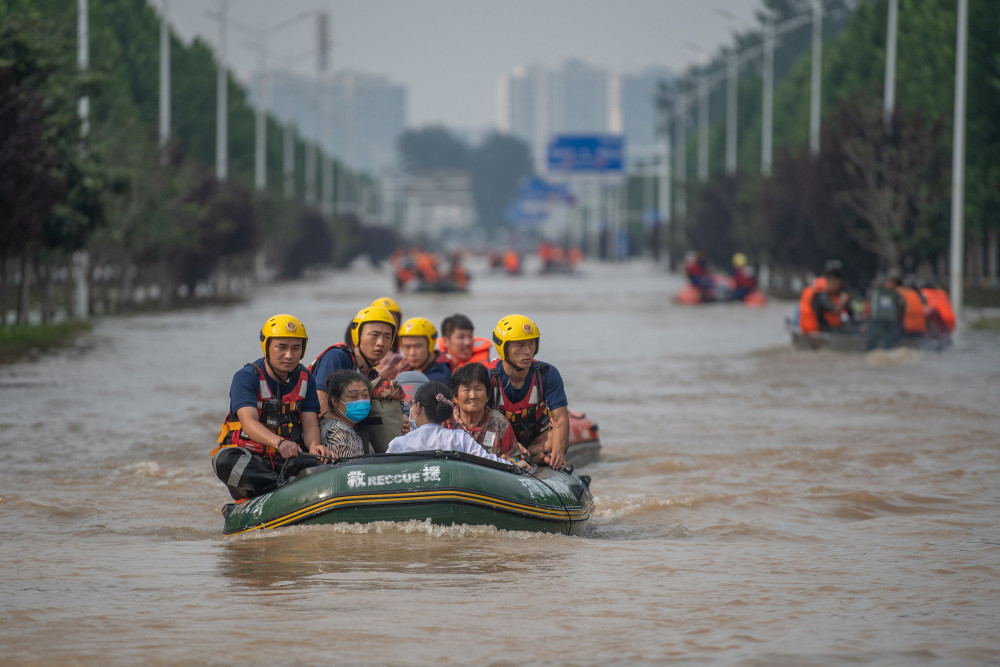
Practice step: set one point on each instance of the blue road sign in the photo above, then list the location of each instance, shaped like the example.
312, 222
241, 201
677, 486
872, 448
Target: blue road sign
596, 153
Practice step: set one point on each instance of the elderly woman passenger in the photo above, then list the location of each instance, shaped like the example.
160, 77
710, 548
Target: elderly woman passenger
469, 385
349, 403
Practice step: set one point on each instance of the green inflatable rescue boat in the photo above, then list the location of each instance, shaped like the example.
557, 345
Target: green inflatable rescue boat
443, 486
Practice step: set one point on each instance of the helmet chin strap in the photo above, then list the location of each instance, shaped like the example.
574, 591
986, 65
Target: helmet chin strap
267, 362
514, 366
368, 361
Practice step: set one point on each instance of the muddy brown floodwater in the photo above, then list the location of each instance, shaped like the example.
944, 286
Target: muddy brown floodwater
755, 505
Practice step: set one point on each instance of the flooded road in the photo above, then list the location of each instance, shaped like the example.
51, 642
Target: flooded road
755, 505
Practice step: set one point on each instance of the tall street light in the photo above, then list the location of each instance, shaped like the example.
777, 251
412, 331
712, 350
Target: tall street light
164, 80
83, 61
814, 98
958, 161
222, 100
264, 94
767, 113
889, 87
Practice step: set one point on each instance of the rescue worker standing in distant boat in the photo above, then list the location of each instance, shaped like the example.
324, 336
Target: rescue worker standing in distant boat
273, 415
825, 305
528, 392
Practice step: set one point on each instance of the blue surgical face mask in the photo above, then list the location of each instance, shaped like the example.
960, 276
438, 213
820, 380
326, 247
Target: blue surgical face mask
357, 410
413, 424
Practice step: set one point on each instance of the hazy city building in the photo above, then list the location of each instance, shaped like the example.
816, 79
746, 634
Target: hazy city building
534, 104
365, 114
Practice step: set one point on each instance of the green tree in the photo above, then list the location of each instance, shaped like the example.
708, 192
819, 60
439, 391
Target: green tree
431, 148
498, 165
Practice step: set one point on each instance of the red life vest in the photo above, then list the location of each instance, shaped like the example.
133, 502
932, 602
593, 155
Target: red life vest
914, 319
281, 416
529, 417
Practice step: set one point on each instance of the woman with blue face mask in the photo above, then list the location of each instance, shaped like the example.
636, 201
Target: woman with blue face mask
350, 402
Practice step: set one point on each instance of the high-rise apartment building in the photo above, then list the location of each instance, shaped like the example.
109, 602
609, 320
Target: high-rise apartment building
362, 114
536, 104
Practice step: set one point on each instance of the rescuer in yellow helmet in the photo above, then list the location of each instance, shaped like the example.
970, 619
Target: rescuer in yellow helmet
417, 338
273, 414
529, 392
372, 332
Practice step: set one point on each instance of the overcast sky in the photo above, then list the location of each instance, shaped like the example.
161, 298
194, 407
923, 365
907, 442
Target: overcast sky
449, 53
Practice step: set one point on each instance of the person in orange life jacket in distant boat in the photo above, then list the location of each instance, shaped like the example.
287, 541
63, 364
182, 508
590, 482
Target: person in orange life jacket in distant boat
273, 415
528, 392
914, 308
373, 331
460, 344
825, 305
417, 337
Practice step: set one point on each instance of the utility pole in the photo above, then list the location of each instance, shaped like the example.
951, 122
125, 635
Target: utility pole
260, 118
680, 142
732, 73
164, 80
83, 61
958, 162
817, 39
663, 200
889, 87
222, 101
327, 206
767, 115
702, 126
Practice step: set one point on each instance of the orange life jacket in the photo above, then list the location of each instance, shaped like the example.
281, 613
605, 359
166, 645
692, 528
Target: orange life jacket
808, 320
480, 353
914, 318
281, 416
937, 299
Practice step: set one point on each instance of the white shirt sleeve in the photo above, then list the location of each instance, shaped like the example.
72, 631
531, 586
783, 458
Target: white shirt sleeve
430, 437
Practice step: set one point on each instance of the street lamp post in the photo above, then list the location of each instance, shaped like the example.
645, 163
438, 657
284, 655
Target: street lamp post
889, 87
767, 114
83, 61
958, 162
164, 80
702, 126
814, 98
680, 142
732, 72
222, 101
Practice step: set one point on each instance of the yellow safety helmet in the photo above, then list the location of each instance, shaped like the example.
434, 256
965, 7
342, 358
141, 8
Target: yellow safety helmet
514, 328
420, 326
739, 260
368, 315
389, 304
283, 326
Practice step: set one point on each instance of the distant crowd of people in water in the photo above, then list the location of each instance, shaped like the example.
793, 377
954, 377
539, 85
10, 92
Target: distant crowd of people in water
350, 401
